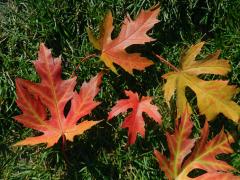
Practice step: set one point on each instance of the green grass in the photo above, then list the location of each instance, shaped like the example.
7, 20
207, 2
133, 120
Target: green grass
101, 153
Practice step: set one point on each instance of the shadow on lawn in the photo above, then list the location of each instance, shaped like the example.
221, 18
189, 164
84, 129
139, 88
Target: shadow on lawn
97, 155
84, 154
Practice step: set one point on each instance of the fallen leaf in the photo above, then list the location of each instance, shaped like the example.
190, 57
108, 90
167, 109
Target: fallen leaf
43, 103
188, 154
213, 97
134, 121
132, 32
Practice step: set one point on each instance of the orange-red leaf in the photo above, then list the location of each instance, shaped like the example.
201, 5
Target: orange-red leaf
203, 156
43, 103
216, 176
180, 146
134, 122
132, 32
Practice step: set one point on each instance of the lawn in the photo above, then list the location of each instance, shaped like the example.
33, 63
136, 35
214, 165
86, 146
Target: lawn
102, 152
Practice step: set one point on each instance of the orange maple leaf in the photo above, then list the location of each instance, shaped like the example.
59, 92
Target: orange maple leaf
50, 96
187, 154
132, 32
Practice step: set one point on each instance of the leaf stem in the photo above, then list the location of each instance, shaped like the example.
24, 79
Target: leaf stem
167, 63
83, 60
63, 150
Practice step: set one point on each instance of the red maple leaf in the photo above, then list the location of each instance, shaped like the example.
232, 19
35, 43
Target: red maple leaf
43, 103
134, 122
203, 156
132, 32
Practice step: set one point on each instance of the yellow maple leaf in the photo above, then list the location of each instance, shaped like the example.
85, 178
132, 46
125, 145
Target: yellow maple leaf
213, 97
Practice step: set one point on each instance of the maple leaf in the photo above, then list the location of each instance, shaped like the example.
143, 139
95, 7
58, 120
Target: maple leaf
132, 32
203, 156
213, 97
43, 103
134, 122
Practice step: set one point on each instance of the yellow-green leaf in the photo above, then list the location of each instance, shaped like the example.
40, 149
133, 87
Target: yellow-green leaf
213, 97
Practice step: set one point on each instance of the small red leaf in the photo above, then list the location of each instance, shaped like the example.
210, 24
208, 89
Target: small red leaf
134, 122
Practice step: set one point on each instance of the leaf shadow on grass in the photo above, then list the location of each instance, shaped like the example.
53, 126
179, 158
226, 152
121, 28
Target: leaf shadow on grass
84, 154
97, 155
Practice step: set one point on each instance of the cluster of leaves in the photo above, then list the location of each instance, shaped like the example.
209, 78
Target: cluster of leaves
43, 104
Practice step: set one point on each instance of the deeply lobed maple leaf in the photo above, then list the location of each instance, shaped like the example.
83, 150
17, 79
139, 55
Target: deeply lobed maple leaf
43, 103
134, 122
132, 32
203, 156
213, 97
